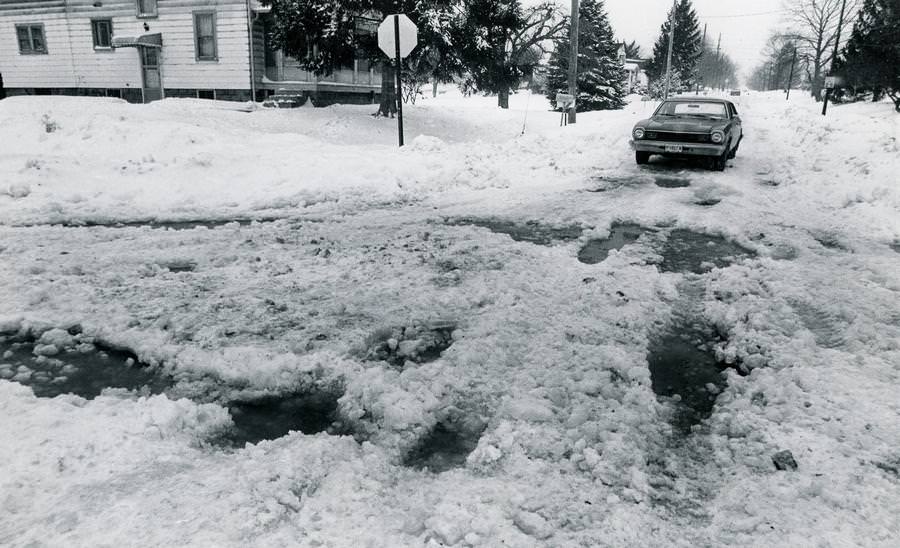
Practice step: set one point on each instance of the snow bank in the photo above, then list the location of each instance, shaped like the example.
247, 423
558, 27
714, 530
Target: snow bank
548, 354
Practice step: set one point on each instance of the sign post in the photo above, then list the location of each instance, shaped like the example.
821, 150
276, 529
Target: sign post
566, 102
397, 37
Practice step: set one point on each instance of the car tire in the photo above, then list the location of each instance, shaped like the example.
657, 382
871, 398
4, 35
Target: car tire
735, 149
719, 162
641, 158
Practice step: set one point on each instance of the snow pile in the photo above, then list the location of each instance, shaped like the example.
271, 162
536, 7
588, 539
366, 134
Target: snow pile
524, 367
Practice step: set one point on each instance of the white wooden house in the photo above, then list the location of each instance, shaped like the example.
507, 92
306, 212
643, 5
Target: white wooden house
143, 50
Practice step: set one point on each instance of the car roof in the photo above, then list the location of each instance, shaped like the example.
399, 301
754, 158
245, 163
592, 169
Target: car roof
695, 99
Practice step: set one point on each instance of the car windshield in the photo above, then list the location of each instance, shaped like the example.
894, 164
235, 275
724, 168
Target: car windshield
687, 108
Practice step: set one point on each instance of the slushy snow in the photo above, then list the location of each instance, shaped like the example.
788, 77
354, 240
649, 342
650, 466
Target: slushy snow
320, 235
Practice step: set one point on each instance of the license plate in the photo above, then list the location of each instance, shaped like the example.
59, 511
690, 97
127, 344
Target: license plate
674, 148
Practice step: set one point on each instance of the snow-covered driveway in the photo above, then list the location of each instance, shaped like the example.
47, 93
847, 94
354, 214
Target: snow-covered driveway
483, 373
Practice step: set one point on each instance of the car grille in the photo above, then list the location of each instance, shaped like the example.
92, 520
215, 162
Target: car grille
681, 137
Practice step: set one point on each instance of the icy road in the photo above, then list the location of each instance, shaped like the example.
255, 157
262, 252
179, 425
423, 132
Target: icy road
275, 328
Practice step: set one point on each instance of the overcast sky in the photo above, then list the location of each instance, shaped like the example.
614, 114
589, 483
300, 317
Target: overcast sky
744, 24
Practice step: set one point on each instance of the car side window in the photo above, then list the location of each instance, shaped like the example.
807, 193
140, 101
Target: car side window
733, 110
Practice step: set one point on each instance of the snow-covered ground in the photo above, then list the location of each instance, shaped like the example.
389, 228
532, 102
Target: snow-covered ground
548, 367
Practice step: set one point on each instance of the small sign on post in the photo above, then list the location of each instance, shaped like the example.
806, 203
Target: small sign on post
397, 37
564, 101
832, 82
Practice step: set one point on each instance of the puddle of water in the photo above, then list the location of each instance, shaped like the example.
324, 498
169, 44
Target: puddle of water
707, 202
620, 234
274, 417
531, 231
680, 365
671, 182
85, 374
689, 251
613, 182
829, 240
416, 343
447, 446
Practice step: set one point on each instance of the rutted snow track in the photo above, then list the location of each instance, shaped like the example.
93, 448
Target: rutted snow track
473, 355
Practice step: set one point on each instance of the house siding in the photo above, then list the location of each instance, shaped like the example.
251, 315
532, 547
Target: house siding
72, 62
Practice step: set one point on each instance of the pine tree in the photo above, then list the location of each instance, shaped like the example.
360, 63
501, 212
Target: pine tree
632, 50
686, 46
496, 40
870, 62
601, 79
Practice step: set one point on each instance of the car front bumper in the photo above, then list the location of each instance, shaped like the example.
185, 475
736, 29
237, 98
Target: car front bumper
687, 149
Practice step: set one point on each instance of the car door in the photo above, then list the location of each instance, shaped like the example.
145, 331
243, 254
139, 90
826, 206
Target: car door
737, 129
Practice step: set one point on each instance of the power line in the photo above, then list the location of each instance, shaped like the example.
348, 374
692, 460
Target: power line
740, 15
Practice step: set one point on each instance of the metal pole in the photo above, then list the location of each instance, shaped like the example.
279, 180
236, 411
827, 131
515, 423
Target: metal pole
399, 88
669, 55
837, 43
252, 59
718, 68
791, 76
573, 58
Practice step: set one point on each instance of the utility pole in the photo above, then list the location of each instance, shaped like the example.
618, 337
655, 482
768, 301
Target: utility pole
718, 67
837, 43
573, 58
790, 81
252, 57
702, 52
671, 42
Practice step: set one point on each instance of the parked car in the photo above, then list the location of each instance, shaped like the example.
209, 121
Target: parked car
735, 93
690, 127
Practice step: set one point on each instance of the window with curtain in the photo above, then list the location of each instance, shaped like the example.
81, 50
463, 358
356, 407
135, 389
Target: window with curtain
205, 36
31, 38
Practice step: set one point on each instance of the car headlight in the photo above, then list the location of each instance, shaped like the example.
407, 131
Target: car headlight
638, 133
717, 137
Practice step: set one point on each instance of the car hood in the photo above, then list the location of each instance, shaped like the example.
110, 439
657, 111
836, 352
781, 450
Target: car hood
678, 124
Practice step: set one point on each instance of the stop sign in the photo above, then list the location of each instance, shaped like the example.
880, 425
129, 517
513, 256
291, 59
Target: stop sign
408, 35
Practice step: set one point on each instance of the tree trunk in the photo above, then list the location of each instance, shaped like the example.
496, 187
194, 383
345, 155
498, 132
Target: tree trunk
816, 86
503, 97
388, 105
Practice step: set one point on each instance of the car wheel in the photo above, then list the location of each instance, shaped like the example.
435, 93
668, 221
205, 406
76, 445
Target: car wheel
719, 162
641, 157
734, 151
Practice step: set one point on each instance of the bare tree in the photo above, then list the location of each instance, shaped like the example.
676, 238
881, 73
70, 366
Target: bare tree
497, 40
814, 26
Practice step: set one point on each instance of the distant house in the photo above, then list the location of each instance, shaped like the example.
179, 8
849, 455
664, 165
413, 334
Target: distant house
143, 50
636, 77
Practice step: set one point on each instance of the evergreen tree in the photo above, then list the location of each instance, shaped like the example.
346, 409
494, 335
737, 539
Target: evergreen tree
870, 62
632, 50
601, 79
686, 46
496, 40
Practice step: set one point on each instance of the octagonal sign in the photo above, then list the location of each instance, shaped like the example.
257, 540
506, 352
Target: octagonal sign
409, 35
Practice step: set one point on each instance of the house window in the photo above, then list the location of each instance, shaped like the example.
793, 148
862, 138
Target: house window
205, 36
31, 38
146, 8
102, 31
